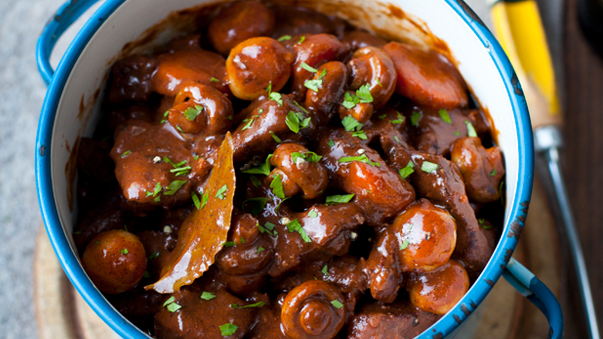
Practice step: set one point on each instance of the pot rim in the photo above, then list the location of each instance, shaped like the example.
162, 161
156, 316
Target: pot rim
443, 327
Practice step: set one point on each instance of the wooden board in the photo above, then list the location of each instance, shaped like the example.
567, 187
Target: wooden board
62, 313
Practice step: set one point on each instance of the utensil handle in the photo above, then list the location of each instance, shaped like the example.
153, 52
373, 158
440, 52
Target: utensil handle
56, 26
526, 283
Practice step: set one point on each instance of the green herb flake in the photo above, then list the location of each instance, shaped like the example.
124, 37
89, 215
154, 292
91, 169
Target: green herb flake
255, 181
249, 123
284, 37
228, 329
292, 122
169, 301
276, 97
470, 130
305, 156
229, 244
382, 116
362, 158
78, 232
481, 221
313, 84
279, 205
408, 170
276, 138
399, 120
221, 191
457, 133
404, 245
125, 154
154, 255
308, 67
300, 107
397, 139
124, 251
415, 117
428, 167
207, 296
277, 187
379, 82
204, 199
350, 100
214, 80
260, 249
174, 186
331, 143
325, 270
295, 226
444, 115
360, 135
97, 242
337, 303
261, 169
258, 304
269, 226
312, 214
157, 189
258, 204
179, 129
493, 173
364, 94
338, 199
196, 200
350, 124
487, 226
173, 307
302, 39
146, 274
191, 113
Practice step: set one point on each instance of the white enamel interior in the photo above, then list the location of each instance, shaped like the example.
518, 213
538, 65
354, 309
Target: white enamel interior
135, 16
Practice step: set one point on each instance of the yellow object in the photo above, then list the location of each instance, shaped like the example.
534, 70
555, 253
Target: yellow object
518, 27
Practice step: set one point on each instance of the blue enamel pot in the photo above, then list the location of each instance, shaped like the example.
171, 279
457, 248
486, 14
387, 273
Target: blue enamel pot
70, 111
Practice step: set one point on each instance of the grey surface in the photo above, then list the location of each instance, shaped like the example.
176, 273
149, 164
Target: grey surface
21, 95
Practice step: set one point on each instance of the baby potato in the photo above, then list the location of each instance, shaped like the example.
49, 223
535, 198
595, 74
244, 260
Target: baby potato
115, 261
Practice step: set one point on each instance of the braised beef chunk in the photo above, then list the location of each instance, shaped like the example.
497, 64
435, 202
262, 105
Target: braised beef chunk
278, 173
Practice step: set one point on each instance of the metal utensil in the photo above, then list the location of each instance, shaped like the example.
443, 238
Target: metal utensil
519, 29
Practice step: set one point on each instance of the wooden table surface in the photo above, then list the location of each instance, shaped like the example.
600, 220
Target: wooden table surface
581, 91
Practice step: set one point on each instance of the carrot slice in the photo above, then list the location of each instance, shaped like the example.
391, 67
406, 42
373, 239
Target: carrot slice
205, 230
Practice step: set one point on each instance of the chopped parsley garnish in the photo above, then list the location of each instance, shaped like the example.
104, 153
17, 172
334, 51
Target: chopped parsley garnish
276, 97
308, 67
408, 170
146, 274
260, 249
325, 270
364, 94
261, 169
284, 37
295, 121
156, 191
415, 117
305, 156
258, 204
360, 134
404, 244
312, 213
277, 187
174, 186
331, 143
124, 251
382, 116
399, 120
302, 39
279, 204
457, 133
444, 115
191, 113
362, 158
196, 200
214, 80
493, 173
338, 199
300, 107
249, 123
481, 221
153, 255
125, 154
179, 129
295, 226
470, 130
487, 226
258, 304
428, 167
255, 181
313, 84
277, 139
350, 100
204, 199
379, 82
181, 170
221, 191
337, 303
171, 305
207, 296
350, 124
229, 244
228, 329
268, 228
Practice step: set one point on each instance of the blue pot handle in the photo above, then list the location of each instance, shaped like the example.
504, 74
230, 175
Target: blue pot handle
526, 283
56, 26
